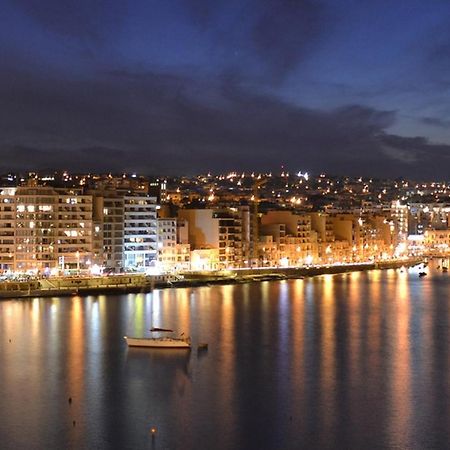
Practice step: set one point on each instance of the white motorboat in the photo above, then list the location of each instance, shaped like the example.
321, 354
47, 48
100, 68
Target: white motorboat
159, 342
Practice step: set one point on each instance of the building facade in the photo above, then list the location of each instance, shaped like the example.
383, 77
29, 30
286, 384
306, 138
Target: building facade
139, 232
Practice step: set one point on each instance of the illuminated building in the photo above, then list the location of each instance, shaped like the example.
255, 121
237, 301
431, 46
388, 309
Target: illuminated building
322, 226
271, 244
216, 229
293, 234
36, 226
205, 259
428, 215
173, 252
139, 232
125, 229
70, 221
7, 228
167, 242
74, 229
108, 229
437, 242
399, 213
268, 251
52, 229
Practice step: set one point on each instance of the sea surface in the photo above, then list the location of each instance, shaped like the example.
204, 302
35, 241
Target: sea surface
351, 361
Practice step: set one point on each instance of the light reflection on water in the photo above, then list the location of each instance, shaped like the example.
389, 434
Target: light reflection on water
357, 360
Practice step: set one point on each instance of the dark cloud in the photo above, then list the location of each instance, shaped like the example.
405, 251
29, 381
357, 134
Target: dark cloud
276, 35
286, 31
418, 156
88, 159
436, 122
438, 43
364, 118
167, 123
220, 110
434, 48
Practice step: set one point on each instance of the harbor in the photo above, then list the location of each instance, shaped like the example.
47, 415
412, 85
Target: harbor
360, 346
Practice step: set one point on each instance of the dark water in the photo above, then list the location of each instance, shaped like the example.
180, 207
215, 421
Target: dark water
350, 361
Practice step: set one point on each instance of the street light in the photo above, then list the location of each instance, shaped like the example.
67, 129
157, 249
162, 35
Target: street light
78, 261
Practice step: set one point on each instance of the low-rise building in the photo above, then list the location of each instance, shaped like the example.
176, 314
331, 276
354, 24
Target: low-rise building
220, 230
437, 242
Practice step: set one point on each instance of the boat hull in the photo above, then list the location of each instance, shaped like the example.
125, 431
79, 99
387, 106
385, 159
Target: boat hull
157, 342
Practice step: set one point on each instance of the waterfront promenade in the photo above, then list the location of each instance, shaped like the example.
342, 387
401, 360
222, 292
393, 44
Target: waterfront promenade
135, 283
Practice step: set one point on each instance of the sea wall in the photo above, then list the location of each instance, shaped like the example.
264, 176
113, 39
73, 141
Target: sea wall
277, 273
128, 283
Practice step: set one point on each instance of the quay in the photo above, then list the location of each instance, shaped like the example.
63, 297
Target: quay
140, 283
233, 276
82, 285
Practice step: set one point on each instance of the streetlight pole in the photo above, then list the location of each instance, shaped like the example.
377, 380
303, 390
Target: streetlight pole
78, 262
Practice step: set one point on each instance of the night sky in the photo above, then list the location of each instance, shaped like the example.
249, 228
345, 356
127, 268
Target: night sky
182, 87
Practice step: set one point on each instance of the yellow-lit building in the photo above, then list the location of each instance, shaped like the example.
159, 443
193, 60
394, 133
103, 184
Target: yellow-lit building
297, 243
215, 229
268, 251
172, 254
437, 242
205, 259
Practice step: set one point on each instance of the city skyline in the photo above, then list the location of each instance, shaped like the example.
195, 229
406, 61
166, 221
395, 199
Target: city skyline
69, 224
339, 86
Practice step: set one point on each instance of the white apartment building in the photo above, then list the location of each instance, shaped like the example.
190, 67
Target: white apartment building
167, 244
7, 228
108, 229
74, 229
399, 214
42, 229
139, 232
36, 226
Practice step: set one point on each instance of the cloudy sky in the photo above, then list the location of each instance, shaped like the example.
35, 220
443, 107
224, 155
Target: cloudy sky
184, 86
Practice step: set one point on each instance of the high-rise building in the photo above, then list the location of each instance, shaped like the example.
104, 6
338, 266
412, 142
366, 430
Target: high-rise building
74, 229
7, 228
44, 228
125, 229
139, 232
108, 229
